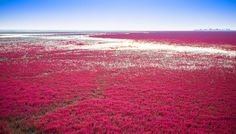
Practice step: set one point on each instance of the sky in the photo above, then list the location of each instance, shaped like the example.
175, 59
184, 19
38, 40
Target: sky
135, 15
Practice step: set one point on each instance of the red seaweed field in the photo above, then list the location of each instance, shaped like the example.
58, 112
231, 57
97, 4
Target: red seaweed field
118, 83
207, 37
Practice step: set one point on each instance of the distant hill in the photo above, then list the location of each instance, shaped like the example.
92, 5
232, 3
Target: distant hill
211, 29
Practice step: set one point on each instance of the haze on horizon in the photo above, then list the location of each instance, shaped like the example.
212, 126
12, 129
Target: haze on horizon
148, 15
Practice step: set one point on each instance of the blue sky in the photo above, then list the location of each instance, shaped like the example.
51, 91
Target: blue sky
117, 14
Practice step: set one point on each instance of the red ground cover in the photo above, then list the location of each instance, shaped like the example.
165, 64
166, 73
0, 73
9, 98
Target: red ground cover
179, 37
84, 91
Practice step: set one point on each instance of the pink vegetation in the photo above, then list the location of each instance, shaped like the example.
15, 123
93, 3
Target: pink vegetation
83, 91
179, 37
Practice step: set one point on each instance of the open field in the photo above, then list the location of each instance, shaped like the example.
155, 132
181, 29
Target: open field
118, 83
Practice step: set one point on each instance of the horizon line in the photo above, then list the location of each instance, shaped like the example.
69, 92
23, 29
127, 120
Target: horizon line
68, 30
